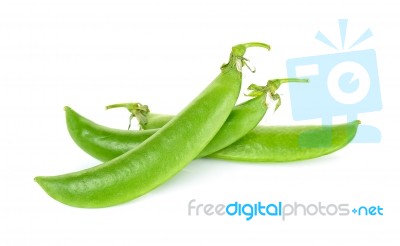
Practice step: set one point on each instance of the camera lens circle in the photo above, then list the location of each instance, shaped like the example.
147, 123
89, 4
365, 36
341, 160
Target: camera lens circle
342, 88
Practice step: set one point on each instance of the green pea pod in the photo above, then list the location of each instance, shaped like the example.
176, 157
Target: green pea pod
162, 155
289, 143
279, 143
242, 119
263, 144
103, 143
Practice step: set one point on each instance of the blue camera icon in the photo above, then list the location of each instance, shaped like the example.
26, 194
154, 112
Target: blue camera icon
340, 84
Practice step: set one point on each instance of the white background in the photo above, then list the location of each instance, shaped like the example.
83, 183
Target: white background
87, 54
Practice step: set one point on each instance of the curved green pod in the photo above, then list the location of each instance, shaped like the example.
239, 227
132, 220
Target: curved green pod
243, 118
263, 144
104, 143
162, 155
289, 143
280, 143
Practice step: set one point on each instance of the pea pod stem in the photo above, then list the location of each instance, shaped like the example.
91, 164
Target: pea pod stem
237, 56
271, 88
137, 110
240, 49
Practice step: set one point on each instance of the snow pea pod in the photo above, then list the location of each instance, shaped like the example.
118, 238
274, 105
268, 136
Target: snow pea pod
243, 118
103, 143
162, 155
280, 143
289, 143
263, 144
